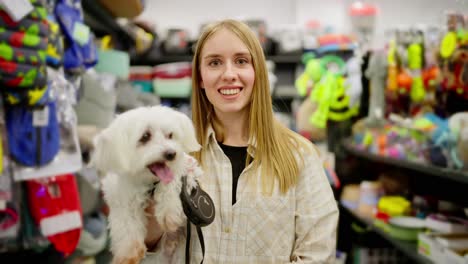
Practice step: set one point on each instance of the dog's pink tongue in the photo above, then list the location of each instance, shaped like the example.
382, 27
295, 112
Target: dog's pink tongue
163, 172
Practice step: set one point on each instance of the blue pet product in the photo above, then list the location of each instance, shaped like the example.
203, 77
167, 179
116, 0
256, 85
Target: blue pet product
81, 51
33, 134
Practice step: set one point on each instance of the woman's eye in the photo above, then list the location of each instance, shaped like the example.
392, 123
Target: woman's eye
145, 137
242, 61
214, 63
169, 136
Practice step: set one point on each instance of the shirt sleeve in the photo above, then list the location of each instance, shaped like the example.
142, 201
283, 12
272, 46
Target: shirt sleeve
316, 215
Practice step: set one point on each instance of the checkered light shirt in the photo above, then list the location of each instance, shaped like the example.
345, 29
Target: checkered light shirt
298, 227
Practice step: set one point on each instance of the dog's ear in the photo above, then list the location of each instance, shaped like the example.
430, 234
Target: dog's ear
107, 153
188, 137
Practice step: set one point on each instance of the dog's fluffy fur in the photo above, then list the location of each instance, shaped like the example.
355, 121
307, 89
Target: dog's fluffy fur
137, 146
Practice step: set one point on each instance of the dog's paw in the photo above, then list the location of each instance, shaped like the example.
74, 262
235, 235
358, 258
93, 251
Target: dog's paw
135, 256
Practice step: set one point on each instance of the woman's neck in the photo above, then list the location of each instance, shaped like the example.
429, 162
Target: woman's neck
235, 129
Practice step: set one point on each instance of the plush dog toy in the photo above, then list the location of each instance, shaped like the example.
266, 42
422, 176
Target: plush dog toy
144, 153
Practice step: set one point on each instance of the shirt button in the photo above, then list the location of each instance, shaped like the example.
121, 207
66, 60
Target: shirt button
227, 230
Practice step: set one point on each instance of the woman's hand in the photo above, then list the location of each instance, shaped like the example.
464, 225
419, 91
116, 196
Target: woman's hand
154, 232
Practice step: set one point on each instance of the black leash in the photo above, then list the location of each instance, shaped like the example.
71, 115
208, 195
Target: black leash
200, 211
187, 243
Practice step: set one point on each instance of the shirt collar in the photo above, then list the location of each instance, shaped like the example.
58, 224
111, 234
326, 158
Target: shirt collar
211, 139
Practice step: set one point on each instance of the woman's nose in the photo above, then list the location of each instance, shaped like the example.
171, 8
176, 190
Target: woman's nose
229, 73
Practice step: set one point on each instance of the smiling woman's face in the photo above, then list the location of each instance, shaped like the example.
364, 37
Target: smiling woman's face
227, 73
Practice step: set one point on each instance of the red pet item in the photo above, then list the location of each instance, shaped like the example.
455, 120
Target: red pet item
54, 204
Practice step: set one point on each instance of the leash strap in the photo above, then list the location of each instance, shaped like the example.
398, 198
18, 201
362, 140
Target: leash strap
187, 243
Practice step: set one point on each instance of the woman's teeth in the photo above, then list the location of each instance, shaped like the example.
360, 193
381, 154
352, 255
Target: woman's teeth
230, 91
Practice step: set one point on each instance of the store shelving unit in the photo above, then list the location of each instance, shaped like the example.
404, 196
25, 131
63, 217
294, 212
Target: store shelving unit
428, 170
409, 249
444, 183
424, 179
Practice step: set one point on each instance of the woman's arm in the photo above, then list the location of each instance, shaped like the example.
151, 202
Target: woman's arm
316, 215
154, 232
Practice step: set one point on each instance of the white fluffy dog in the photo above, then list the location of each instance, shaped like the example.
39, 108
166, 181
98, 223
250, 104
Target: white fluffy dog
142, 148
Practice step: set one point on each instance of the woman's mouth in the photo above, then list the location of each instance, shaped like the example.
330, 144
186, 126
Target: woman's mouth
230, 91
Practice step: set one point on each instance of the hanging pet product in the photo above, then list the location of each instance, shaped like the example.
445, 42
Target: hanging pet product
80, 52
304, 84
55, 207
33, 134
55, 45
376, 72
416, 63
22, 57
9, 215
43, 139
324, 84
454, 66
330, 93
458, 124
353, 81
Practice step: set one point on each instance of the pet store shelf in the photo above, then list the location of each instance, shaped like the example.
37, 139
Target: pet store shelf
285, 92
293, 58
431, 170
407, 248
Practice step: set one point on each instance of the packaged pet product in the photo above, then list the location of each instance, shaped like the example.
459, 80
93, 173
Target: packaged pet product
33, 134
370, 193
173, 80
21, 76
377, 72
45, 142
55, 45
9, 215
81, 52
141, 78
55, 207
98, 101
458, 124
23, 55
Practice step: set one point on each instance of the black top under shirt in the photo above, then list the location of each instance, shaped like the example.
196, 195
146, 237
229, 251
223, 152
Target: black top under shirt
237, 156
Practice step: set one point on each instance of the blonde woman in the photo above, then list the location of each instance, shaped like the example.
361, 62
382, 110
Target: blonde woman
273, 201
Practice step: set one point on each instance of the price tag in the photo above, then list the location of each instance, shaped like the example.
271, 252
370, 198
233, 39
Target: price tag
41, 117
17, 9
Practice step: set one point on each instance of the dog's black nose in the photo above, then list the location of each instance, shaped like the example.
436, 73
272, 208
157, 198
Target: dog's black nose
169, 154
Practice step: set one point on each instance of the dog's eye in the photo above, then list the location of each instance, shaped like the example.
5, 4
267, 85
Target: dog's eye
169, 136
145, 138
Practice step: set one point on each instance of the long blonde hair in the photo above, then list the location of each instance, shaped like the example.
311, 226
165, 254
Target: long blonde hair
275, 145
